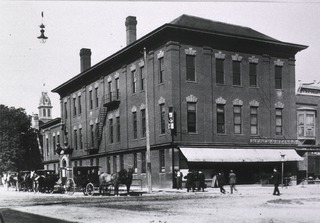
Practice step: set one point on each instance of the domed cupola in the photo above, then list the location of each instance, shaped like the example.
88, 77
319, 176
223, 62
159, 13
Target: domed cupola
45, 107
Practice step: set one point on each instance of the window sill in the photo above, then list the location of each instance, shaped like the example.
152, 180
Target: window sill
237, 86
221, 85
191, 82
193, 133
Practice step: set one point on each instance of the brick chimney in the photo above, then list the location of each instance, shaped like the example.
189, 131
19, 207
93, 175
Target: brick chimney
131, 25
85, 59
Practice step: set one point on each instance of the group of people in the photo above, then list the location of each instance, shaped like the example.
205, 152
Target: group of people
196, 180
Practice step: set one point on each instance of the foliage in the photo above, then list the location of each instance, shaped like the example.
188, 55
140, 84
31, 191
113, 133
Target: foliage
19, 149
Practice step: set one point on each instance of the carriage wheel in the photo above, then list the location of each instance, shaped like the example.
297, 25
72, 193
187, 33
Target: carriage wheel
90, 189
70, 186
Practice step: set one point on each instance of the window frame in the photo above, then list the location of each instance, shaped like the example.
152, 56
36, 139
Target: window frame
220, 73
253, 75
236, 73
221, 115
190, 68
279, 117
278, 74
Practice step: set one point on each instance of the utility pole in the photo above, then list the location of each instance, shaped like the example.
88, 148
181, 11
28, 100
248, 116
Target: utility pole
148, 153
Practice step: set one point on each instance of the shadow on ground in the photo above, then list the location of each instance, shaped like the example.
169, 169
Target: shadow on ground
12, 216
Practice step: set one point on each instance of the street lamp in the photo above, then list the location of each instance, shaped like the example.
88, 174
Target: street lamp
282, 168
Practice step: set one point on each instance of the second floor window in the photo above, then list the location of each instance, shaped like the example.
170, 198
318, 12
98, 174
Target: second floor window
306, 123
92, 135
142, 78
219, 71
80, 139
192, 117
134, 81
117, 88
162, 119
90, 99
65, 110
96, 97
134, 124
254, 120
278, 121
79, 104
253, 74
75, 139
110, 91
190, 68
161, 70
143, 122
237, 122
118, 129
74, 106
278, 77
220, 118
236, 73
111, 130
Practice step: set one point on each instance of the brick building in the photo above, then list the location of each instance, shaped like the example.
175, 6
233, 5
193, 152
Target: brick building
231, 88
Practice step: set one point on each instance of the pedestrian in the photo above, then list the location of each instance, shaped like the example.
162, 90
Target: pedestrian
221, 183
190, 181
214, 182
179, 176
232, 181
276, 177
201, 179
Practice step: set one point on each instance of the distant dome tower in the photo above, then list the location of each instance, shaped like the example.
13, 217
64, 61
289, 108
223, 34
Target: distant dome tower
45, 108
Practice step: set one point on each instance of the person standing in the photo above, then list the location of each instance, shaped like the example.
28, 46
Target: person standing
190, 181
201, 179
232, 181
276, 181
179, 176
221, 183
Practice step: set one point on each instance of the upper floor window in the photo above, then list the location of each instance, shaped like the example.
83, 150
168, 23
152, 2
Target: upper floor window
110, 91
190, 68
92, 135
134, 124
44, 112
162, 119
79, 104
118, 129
219, 71
47, 143
75, 139
80, 138
220, 118
54, 142
192, 116
49, 114
278, 77
252, 74
117, 88
96, 96
161, 70
278, 121
65, 110
237, 119
134, 81
306, 124
236, 73
90, 99
254, 120
142, 79
74, 106
111, 130
143, 122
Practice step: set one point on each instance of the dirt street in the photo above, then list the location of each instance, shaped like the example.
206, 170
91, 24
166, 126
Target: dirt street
249, 204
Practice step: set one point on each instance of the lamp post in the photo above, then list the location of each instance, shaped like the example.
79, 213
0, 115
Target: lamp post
282, 167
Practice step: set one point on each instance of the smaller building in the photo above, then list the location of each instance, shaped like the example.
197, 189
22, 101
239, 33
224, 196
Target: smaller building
308, 129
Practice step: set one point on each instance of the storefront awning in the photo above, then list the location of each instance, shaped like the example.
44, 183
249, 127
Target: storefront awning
239, 155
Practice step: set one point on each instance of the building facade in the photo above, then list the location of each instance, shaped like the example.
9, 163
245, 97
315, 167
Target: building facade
230, 92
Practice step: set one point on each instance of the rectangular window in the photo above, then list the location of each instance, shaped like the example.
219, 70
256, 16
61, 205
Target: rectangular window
54, 142
75, 139
162, 119
143, 123
117, 88
162, 161
58, 139
92, 135
192, 117
143, 162
190, 67
142, 77
80, 139
220, 118
254, 120
47, 144
65, 110
253, 74
74, 107
111, 130
44, 112
135, 162
219, 71
236, 73
237, 119
121, 162
134, 124
278, 77
110, 91
161, 70
134, 81
108, 165
278, 121
79, 104
49, 114
90, 100
118, 129
96, 96
115, 166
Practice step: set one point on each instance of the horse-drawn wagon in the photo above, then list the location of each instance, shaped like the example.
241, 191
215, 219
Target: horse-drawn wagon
44, 180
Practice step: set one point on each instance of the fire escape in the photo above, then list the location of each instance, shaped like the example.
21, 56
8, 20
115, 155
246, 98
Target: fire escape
109, 103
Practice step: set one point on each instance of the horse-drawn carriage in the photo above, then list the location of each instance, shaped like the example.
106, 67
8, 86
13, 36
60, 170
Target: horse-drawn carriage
44, 180
25, 181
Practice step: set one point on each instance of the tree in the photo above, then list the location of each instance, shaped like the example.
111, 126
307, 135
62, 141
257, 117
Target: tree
19, 149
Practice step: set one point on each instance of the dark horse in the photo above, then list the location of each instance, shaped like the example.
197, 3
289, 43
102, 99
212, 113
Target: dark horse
123, 177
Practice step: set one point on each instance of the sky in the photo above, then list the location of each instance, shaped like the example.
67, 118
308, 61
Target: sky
28, 67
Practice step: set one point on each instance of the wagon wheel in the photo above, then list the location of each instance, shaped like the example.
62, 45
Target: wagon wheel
90, 189
70, 186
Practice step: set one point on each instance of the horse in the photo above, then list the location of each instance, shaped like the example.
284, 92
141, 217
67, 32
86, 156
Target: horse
26, 181
123, 177
10, 179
